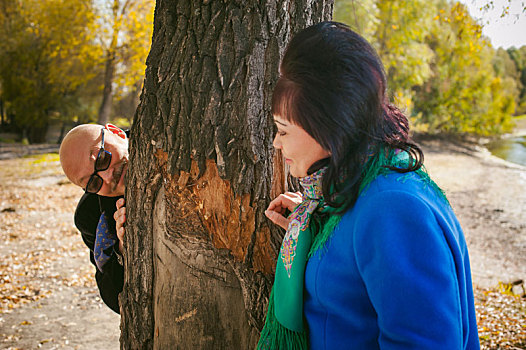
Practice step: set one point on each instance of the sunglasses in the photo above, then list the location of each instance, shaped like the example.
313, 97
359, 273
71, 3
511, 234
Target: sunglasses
102, 163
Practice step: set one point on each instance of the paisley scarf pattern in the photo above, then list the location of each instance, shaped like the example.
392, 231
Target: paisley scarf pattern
300, 217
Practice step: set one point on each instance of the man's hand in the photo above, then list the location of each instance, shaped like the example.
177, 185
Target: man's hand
277, 208
120, 220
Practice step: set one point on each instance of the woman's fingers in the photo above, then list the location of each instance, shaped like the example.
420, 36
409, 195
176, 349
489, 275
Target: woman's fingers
278, 207
277, 218
287, 200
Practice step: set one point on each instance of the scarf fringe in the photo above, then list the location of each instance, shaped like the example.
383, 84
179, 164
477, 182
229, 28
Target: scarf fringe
275, 336
378, 165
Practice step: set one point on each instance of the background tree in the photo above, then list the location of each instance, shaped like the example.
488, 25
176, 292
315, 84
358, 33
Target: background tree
519, 58
440, 68
46, 56
361, 16
54, 59
200, 253
463, 95
399, 39
125, 31
506, 69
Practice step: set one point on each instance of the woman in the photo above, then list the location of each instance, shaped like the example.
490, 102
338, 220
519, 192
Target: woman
373, 256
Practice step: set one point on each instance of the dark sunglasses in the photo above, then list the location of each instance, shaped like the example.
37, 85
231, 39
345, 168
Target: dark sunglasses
102, 163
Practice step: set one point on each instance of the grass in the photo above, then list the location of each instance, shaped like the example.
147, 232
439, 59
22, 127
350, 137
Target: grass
44, 158
7, 140
30, 166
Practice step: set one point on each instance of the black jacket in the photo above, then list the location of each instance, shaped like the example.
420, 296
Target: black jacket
87, 216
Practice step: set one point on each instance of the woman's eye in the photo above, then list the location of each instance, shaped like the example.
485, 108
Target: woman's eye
281, 133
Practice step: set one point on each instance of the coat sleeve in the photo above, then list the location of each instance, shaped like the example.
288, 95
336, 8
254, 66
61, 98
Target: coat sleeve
407, 266
109, 282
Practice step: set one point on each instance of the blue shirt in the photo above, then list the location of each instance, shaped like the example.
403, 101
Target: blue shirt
395, 274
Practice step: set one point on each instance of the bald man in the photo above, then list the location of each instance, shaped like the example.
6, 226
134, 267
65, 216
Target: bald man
95, 157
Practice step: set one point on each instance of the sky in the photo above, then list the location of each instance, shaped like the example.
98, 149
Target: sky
506, 31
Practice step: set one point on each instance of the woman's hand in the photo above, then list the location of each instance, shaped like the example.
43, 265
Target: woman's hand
277, 208
120, 220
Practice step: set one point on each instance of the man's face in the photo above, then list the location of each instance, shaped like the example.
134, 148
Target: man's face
79, 151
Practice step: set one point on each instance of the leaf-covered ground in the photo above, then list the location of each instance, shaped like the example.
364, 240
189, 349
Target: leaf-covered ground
501, 319
48, 297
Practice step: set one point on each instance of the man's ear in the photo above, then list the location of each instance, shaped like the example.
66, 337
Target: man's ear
115, 130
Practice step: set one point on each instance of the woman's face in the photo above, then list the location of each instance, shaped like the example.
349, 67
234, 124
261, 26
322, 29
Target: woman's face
299, 148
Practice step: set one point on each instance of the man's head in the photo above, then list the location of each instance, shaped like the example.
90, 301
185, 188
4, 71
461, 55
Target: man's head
79, 151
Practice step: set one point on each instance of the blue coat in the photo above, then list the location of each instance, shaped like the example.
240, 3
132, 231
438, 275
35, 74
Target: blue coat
395, 274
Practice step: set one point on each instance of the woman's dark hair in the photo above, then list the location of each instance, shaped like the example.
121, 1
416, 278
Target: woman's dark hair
332, 84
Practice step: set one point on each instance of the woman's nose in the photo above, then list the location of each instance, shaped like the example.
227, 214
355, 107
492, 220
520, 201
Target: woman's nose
276, 143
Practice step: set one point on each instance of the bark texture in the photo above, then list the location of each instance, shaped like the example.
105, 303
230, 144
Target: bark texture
200, 254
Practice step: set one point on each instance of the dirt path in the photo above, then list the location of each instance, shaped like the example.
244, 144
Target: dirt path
16, 150
48, 297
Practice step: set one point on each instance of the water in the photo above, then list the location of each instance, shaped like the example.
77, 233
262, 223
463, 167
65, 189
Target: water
512, 149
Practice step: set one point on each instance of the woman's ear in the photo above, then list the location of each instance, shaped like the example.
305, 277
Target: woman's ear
115, 130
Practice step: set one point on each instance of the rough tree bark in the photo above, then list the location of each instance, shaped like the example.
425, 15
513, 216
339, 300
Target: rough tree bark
200, 253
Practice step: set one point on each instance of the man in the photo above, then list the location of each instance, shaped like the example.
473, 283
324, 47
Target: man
95, 158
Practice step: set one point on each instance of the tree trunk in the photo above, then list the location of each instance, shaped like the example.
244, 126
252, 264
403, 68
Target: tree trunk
200, 254
3, 121
62, 132
107, 92
37, 134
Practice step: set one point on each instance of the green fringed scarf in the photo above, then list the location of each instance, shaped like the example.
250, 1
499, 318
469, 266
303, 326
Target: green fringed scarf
284, 326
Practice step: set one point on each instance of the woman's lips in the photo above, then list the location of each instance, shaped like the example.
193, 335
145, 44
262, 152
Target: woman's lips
288, 161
